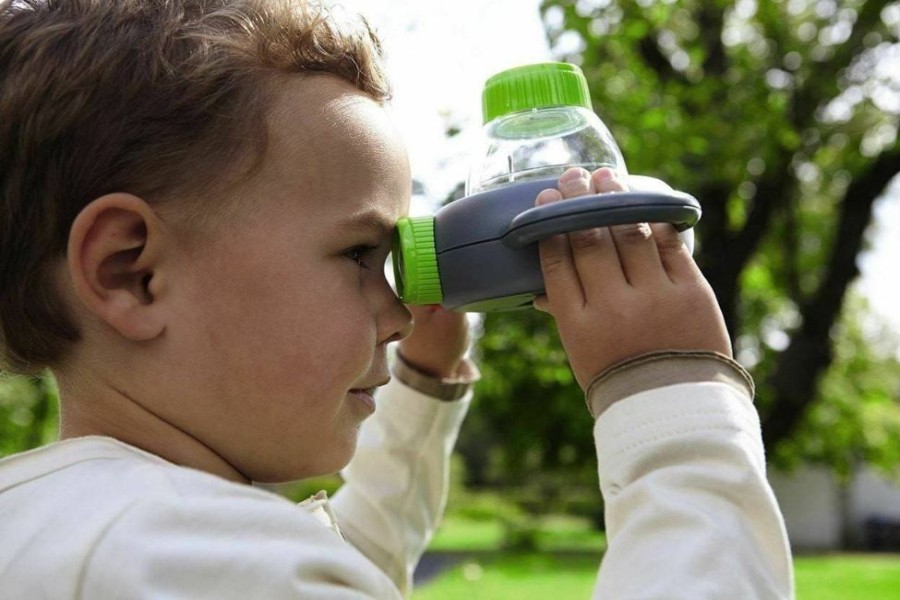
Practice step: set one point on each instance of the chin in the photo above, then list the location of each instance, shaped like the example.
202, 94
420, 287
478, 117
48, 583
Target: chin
329, 459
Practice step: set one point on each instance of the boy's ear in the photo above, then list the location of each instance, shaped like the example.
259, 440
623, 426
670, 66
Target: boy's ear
113, 257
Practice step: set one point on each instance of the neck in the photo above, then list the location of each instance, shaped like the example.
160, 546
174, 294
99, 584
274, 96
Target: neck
93, 407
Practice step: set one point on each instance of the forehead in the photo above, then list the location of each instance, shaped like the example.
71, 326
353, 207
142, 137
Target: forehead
335, 148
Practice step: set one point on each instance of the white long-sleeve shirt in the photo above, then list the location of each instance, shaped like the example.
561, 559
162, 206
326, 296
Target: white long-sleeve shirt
689, 512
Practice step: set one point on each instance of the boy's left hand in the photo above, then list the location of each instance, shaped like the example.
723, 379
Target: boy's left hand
438, 341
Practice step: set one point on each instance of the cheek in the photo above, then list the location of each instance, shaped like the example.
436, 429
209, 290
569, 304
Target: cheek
282, 318
322, 324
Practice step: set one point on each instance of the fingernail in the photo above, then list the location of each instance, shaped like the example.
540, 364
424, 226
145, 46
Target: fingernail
547, 196
605, 174
577, 174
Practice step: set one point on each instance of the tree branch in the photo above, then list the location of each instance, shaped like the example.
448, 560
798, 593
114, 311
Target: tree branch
654, 58
770, 190
808, 96
711, 21
809, 354
792, 251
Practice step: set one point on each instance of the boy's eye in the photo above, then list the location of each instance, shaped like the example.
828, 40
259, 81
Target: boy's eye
361, 255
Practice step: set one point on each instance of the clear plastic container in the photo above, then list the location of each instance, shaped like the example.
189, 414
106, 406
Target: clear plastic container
539, 122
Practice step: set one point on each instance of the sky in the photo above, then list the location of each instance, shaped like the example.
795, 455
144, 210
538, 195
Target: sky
440, 53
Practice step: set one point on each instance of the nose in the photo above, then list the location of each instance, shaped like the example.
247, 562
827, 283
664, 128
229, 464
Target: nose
394, 319
404, 321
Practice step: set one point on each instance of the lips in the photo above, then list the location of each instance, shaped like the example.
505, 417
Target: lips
371, 388
366, 395
366, 398
368, 390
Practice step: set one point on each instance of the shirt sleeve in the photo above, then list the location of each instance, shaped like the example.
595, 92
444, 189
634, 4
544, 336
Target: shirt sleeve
689, 512
395, 488
226, 547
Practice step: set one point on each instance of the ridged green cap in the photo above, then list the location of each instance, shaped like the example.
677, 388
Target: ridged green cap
534, 86
415, 261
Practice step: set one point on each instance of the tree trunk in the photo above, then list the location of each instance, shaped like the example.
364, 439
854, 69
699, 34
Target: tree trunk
794, 381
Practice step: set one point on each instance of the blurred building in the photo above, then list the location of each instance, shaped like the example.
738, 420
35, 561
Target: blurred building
821, 514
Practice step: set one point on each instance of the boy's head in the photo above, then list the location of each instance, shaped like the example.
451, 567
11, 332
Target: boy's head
197, 199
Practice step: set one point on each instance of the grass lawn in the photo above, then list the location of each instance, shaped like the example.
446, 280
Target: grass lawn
848, 577
557, 532
565, 566
522, 577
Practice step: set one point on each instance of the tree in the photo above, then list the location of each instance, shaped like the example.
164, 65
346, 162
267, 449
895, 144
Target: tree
777, 117
781, 117
28, 412
857, 406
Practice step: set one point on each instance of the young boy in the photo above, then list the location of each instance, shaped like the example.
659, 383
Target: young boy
197, 202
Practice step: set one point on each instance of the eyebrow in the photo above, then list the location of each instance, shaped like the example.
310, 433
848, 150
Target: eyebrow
369, 221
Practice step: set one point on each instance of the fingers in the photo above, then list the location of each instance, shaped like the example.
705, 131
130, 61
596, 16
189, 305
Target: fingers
593, 250
438, 341
596, 261
604, 180
560, 277
636, 247
575, 182
674, 255
620, 292
634, 243
593, 253
640, 246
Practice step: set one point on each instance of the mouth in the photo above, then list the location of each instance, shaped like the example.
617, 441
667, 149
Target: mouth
366, 395
370, 389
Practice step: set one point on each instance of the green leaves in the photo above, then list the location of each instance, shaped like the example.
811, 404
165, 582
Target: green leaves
857, 416
28, 412
761, 110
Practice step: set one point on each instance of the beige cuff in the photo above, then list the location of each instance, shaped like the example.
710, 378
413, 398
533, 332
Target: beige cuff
658, 369
446, 389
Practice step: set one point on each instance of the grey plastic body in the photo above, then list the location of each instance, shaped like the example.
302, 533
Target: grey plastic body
486, 244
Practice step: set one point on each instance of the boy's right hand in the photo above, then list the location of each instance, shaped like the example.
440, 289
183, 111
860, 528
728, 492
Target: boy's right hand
617, 293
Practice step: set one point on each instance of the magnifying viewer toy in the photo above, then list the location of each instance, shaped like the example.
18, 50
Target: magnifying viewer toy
480, 253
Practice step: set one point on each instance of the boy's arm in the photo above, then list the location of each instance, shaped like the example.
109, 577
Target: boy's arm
396, 485
689, 512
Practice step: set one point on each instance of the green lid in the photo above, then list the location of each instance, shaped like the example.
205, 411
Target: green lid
415, 261
534, 86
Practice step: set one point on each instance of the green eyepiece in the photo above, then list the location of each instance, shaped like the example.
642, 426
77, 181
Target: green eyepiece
415, 261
